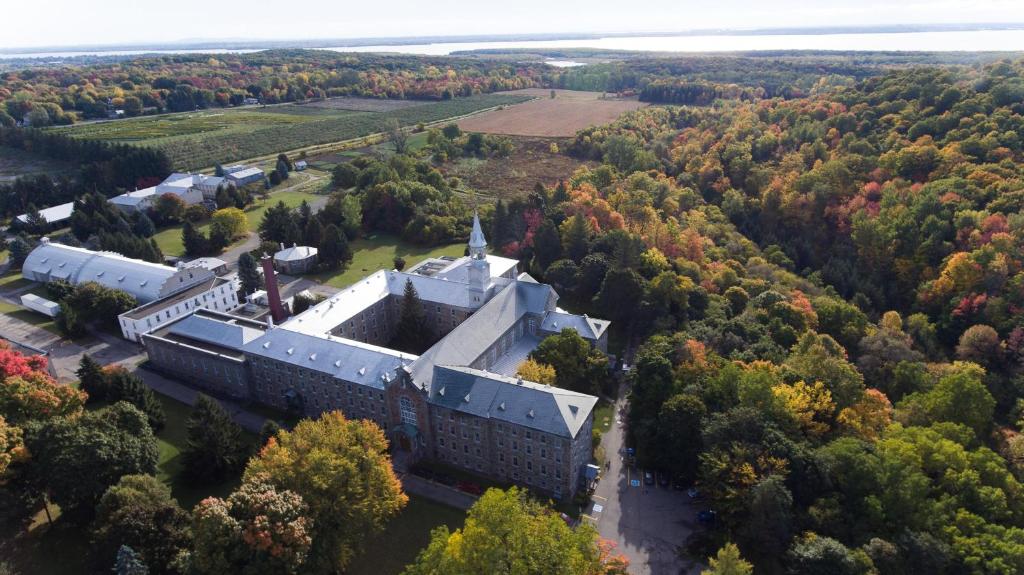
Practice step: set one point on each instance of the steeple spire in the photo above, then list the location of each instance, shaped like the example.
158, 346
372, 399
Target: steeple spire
477, 241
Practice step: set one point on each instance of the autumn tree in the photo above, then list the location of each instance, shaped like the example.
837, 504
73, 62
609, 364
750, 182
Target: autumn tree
231, 222
507, 532
257, 530
342, 471
728, 561
533, 370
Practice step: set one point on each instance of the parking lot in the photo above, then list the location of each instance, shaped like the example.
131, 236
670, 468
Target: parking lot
648, 522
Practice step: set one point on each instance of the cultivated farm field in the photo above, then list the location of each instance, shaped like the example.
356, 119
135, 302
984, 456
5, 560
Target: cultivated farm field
197, 140
569, 112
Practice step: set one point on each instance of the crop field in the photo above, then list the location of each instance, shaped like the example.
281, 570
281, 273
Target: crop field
532, 160
562, 116
364, 104
196, 140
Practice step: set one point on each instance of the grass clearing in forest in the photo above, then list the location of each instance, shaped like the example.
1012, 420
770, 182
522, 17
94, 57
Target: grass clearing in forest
377, 252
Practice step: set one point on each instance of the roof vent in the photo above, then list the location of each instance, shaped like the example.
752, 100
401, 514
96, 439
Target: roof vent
362, 371
530, 414
441, 392
291, 350
99, 275
120, 278
62, 264
312, 357
44, 260
501, 406
466, 399
337, 363
555, 324
266, 344
519, 380
143, 283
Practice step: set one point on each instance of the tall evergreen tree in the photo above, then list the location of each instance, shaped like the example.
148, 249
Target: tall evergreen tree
91, 378
546, 244
123, 385
276, 223
196, 244
19, 249
334, 249
577, 238
412, 334
248, 273
144, 226
215, 448
313, 234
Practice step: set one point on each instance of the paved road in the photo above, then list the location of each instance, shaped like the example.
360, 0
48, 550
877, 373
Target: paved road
650, 524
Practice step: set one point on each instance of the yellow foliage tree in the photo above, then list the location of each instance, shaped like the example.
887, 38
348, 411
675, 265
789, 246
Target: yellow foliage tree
811, 406
533, 370
868, 417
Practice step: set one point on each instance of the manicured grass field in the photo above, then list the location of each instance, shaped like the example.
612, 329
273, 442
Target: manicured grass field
377, 252
195, 140
405, 536
169, 239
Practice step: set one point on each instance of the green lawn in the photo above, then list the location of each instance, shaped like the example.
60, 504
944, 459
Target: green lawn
169, 239
12, 280
28, 316
405, 536
377, 252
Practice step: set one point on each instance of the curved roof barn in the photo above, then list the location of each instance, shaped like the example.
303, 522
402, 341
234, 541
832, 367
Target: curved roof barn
144, 280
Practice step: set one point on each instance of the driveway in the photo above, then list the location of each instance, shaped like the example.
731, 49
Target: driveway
649, 523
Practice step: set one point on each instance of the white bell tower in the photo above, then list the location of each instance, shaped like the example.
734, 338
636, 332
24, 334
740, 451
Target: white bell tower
479, 268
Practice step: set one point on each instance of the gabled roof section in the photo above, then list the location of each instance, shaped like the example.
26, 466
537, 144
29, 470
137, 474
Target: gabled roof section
586, 326
515, 401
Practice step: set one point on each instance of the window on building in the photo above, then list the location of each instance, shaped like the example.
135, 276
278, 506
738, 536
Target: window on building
408, 411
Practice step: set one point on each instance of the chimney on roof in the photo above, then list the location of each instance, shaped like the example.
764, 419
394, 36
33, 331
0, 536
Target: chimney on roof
270, 322
282, 245
273, 293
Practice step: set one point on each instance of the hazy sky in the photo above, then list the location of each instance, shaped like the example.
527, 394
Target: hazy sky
68, 22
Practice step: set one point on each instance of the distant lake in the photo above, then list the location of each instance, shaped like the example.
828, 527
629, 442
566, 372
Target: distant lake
962, 41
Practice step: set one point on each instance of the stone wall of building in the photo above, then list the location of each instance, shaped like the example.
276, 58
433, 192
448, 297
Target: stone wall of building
220, 374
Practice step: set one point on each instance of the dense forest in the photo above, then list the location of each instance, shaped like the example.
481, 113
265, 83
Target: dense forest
828, 293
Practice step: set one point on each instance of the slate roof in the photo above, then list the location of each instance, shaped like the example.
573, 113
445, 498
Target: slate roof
588, 327
467, 342
515, 401
215, 331
344, 359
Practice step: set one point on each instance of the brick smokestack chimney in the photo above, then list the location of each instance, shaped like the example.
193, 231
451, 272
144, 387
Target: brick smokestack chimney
273, 294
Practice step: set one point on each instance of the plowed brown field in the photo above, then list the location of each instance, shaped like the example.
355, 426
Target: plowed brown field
563, 116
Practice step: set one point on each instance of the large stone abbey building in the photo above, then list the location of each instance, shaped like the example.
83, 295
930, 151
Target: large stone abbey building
459, 402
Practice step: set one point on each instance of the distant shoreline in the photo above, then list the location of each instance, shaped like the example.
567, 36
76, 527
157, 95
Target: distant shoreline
254, 45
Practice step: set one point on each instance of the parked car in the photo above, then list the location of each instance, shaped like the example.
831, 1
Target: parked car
648, 477
664, 478
693, 493
707, 516
469, 487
